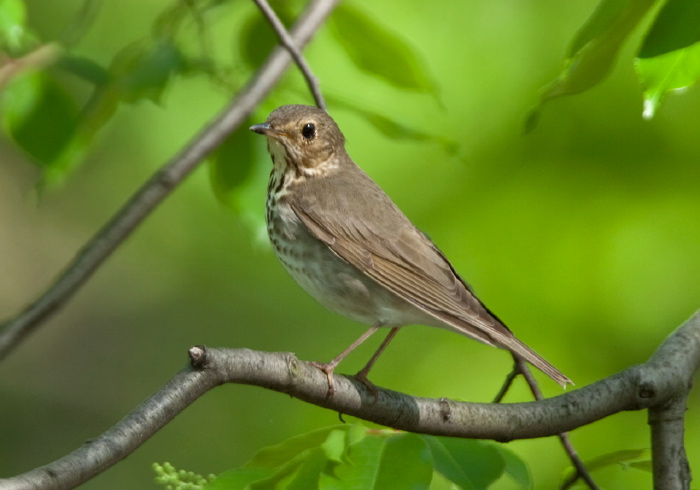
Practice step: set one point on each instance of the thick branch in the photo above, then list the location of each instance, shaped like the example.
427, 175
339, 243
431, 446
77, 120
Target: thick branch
670, 463
679, 353
161, 184
663, 379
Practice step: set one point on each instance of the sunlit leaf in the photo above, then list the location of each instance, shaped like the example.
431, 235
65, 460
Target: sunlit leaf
376, 50
594, 50
13, 15
671, 71
334, 446
348, 457
19, 98
669, 58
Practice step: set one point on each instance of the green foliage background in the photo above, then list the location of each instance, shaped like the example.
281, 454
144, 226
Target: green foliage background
583, 236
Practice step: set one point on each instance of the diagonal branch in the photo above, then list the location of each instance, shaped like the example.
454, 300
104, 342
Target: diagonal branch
161, 184
287, 41
664, 378
581, 470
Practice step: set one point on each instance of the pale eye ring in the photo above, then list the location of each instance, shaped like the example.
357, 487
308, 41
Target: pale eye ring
308, 131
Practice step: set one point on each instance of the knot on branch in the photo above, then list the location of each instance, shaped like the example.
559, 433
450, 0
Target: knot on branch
198, 356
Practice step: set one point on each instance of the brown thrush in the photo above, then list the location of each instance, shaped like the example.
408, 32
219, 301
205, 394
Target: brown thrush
351, 248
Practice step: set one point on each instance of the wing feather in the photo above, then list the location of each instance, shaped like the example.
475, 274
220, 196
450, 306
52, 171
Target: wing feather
390, 250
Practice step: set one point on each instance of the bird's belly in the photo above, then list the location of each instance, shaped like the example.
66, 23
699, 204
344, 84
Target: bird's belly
336, 284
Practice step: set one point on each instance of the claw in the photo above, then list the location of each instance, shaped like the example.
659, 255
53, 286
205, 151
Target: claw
328, 369
362, 378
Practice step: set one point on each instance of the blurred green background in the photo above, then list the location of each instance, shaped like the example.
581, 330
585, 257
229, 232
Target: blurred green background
583, 236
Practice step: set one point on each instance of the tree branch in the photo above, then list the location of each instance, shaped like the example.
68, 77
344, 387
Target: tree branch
159, 186
660, 384
289, 44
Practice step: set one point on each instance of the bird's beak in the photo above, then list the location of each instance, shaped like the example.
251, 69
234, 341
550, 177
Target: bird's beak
267, 130
263, 128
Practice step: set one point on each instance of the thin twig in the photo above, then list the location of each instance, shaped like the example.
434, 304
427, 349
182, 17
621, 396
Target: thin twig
160, 185
581, 470
43, 56
290, 45
665, 377
507, 384
521, 367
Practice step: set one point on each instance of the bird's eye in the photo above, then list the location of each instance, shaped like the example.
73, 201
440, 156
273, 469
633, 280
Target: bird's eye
308, 131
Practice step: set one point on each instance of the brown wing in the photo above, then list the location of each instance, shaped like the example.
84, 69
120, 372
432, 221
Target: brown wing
390, 250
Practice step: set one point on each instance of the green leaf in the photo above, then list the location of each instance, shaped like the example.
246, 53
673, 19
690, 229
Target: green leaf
677, 26
468, 463
594, 49
13, 17
334, 446
300, 472
239, 478
283, 452
634, 458
516, 467
382, 460
379, 52
669, 58
231, 164
667, 72
143, 69
349, 457
307, 473
394, 129
41, 117
19, 98
406, 463
84, 68
257, 37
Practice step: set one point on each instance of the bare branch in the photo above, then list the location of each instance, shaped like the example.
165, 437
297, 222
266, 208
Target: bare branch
670, 463
290, 45
660, 383
159, 186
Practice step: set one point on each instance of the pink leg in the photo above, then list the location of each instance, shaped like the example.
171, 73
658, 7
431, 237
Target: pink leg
329, 367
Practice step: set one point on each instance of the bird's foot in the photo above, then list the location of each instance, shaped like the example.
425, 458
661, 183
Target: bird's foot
362, 378
328, 369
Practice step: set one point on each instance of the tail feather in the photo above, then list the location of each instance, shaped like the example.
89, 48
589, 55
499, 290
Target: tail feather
498, 335
523, 351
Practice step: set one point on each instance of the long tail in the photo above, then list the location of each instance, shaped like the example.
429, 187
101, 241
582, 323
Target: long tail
521, 350
493, 332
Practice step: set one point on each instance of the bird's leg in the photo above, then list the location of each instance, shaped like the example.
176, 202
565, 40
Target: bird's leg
362, 374
329, 367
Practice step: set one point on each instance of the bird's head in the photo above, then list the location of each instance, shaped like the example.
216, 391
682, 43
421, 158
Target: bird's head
303, 137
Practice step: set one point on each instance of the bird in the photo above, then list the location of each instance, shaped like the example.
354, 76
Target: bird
346, 243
